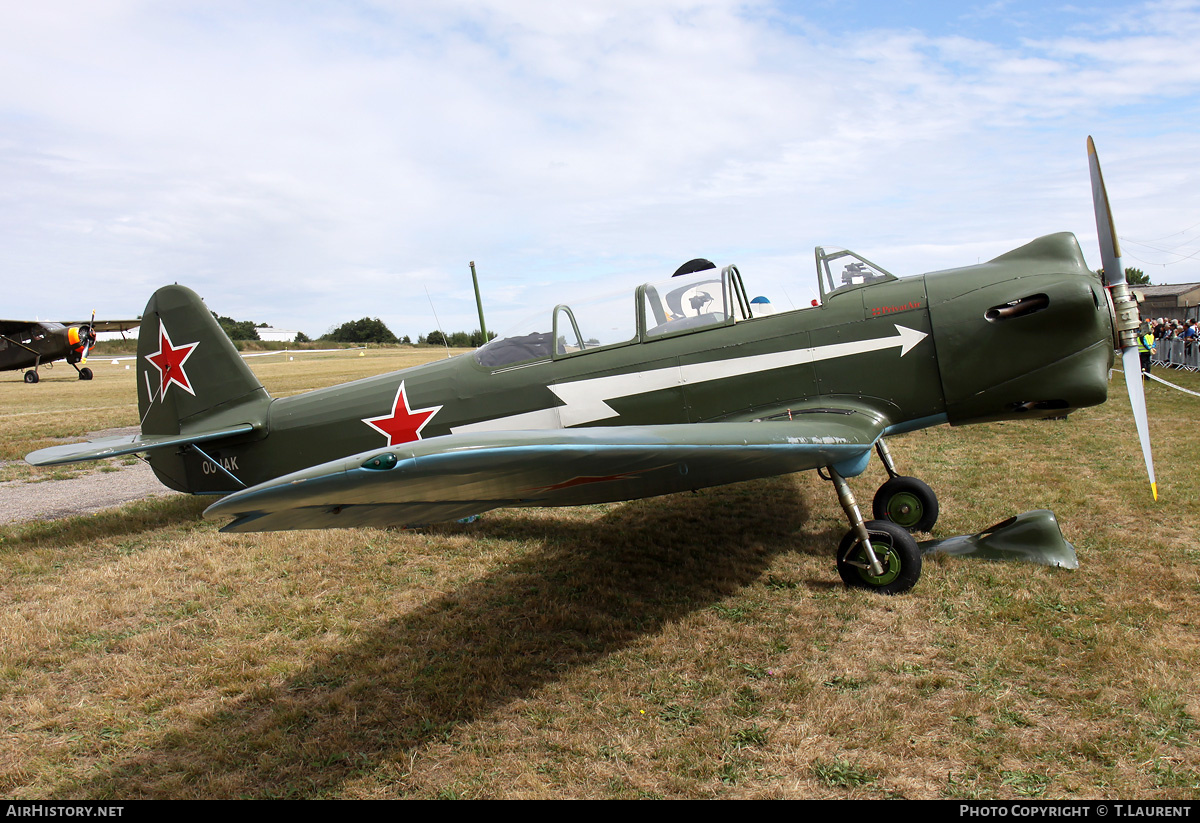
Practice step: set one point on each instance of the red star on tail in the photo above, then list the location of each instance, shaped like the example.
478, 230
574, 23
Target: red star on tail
402, 425
169, 360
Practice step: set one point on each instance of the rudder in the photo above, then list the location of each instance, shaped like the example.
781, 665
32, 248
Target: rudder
191, 379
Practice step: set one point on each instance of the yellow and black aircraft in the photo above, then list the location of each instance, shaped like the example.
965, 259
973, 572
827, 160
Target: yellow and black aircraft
678, 386
30, 344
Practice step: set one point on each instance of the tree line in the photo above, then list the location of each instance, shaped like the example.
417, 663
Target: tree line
374, 330
365, 330
1134, 277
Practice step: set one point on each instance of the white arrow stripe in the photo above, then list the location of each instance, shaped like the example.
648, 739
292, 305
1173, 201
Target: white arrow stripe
586, 400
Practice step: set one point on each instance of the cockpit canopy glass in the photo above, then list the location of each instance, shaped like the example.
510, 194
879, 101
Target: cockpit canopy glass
529, 340
687, 302
590, 324
843, 269
670, 306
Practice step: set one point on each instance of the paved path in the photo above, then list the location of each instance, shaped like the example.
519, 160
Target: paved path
93, 492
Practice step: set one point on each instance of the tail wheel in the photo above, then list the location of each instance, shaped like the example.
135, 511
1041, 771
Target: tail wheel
896, 552
907, 502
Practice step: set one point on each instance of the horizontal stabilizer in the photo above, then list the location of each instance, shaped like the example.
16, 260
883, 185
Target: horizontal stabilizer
129, 444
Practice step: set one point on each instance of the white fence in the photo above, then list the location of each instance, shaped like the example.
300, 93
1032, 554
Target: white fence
1177, 354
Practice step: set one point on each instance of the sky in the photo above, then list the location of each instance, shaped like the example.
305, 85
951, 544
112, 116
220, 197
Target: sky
304, 164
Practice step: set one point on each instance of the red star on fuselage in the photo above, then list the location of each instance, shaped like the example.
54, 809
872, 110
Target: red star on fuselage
402, 425
169, 360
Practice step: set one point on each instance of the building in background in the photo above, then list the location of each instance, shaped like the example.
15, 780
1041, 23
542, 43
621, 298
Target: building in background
1177, 302
280, 335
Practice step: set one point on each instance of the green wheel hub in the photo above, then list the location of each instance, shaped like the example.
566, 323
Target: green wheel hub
896, 551
908, 502
905, 509
887, 558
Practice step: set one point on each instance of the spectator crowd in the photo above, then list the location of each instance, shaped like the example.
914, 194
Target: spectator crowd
1175, 342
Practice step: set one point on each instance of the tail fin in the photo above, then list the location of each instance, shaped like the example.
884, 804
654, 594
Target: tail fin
193, 388
190, 377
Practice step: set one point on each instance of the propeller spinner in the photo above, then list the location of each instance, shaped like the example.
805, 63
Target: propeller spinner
1125, 309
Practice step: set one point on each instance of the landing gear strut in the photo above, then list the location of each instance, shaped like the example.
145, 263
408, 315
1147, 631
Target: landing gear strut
31, 376
876, 554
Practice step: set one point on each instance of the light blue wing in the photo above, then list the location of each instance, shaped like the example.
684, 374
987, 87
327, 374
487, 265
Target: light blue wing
445, 478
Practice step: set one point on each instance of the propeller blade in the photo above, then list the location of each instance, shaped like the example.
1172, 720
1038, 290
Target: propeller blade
1132, 362
1125, 309
1110, 249
91, 341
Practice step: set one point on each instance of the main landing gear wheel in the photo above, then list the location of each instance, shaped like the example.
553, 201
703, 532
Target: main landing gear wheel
85, 373
896, 551
31, 377
907, 502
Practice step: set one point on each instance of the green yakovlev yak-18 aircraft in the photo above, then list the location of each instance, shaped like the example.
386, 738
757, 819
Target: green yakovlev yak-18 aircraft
678, 389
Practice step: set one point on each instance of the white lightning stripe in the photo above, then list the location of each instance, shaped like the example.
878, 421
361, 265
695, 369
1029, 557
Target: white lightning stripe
586, 400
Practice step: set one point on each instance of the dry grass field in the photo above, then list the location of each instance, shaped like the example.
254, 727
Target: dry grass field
690, 646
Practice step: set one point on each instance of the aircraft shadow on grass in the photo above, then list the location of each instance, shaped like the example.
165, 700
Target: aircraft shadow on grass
589, 590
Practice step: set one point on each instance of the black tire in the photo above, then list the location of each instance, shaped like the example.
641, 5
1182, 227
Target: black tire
907, 502
85, 373
31, 377
896, 551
